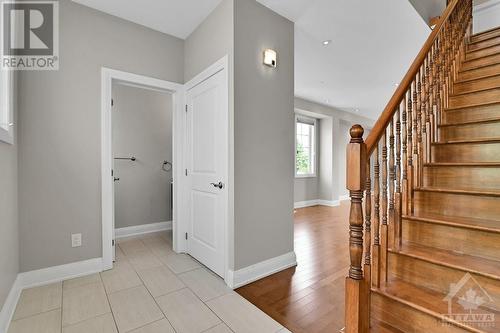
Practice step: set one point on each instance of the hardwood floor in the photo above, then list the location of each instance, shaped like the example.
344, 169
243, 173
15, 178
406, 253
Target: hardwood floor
310, 297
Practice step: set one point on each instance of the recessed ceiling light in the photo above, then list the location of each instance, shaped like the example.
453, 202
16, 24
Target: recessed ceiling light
356, 110
396, 84
326, 42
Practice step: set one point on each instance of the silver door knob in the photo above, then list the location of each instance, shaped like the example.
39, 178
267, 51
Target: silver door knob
220, 185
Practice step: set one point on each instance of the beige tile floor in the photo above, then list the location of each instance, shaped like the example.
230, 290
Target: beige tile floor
151, 289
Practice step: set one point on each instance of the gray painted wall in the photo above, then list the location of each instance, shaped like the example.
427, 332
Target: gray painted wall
326, 160
261, 223
211, 41
9, 239
428, 9
306, 189
142, 127
263, 135
59, 134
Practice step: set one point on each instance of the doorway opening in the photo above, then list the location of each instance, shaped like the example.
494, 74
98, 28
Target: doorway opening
142, 159
142, 141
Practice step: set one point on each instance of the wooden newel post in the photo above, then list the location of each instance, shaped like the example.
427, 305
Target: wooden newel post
356, 312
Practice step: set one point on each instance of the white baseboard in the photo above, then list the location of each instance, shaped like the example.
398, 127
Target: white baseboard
10, 306
258, 271
317, 202
142, 229
308, 203
344, 197
329, 203
42, 277
54, 274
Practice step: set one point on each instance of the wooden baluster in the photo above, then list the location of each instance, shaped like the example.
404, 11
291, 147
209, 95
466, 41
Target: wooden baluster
448, 60
376, 220
392, 176
416, 136
357, 314
404, 183
433, 104
445, 66
428, 109
410, 173
368, 234
423, 107
397, 194
420, 128
383, 228
439, 92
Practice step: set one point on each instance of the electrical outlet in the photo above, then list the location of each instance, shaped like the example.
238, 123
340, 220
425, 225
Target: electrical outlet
76, 240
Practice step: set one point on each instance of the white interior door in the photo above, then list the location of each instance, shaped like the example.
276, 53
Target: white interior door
207, 122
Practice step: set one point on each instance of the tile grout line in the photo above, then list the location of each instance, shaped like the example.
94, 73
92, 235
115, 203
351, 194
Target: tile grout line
154, 299
85, 285
187, 287
202, 301
109, 303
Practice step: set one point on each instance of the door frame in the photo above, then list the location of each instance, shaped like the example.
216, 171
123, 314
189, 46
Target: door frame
222, 65
108, 77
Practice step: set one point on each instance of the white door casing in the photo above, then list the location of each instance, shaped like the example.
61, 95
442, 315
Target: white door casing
108, 76
207, 163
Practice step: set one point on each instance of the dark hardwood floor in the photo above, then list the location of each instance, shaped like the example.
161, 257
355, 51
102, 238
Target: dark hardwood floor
310, 297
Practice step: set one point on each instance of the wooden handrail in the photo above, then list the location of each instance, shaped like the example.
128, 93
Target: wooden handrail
389, 111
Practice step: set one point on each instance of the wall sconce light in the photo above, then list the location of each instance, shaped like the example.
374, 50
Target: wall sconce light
270, 58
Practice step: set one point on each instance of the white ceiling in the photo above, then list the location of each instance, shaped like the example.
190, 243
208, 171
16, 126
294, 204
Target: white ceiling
174, 17
373, 45
373, 42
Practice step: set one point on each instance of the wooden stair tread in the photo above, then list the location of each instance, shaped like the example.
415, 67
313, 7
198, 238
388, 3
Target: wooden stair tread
471, 92
466, 263
474, 51
483, 140
485, 61
472, 122
481, 66
482, 48
484, 35
428, 301
470, 191
458, 164
458, 108
480, 78
457, 221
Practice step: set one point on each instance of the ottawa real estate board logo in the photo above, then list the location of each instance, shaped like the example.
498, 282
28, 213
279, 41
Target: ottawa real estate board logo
30, 35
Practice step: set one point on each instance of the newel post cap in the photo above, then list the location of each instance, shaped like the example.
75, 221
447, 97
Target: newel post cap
356, 160
356, 132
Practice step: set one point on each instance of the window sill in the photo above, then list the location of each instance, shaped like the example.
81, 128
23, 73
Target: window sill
305, 176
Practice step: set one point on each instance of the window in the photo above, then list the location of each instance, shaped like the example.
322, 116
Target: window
305, 146
6, 112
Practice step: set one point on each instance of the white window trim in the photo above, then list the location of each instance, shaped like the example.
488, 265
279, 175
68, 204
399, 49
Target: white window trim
315, 157
6, 98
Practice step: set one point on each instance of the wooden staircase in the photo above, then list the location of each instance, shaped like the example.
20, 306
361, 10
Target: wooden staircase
425, 246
